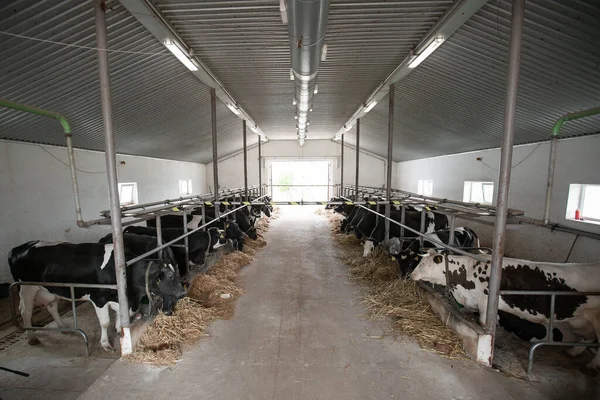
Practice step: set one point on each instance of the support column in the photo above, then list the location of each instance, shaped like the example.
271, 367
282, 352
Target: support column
357, 158
246, 160
213, 116
341, 192
111, 171
514, 61
260, 193
388, 185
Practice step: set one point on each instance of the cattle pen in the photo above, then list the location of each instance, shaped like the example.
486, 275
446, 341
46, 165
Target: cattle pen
299, 199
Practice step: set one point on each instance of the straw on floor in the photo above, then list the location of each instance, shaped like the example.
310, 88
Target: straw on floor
211, 296
387, 295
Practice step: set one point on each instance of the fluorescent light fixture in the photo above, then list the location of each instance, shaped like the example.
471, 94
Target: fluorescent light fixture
316, 89
307, 123
425, 53
177, 52
310, 110
348, 127
264, 139
291, 74
294, 102
301, 141
370, 106
324, 53
295, 117
283, 11
336, 138
254, 129
233, 109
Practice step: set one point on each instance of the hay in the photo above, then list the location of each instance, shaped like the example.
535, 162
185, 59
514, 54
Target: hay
386, 295
211, 296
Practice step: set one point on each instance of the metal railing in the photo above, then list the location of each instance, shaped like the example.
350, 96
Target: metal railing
73, 300
550, 327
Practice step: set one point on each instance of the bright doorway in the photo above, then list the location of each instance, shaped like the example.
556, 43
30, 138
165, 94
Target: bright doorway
300, 180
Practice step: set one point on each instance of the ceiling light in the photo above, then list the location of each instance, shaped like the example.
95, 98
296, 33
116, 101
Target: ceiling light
316, 89
181, 56
264, 139
425, 53
310, 110
348, 127
295, 117
324, 53
254, 129
301, 141
233, 109
370, 106
291, 74
294, 102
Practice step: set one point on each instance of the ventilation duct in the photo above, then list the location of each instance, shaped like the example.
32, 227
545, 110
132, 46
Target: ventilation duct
307, 23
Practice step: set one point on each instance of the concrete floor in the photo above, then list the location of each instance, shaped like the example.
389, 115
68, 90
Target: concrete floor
299, 332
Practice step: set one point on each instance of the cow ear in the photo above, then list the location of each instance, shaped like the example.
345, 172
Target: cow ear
438, 259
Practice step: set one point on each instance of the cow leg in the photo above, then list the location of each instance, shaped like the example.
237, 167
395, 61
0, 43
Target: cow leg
594, 317
26, 302
45, 298
104, 319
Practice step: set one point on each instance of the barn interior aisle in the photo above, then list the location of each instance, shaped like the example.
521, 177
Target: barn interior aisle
299, 332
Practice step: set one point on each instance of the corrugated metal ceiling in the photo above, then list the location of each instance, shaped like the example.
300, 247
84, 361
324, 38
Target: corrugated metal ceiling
454, 101
246, 45
160, 109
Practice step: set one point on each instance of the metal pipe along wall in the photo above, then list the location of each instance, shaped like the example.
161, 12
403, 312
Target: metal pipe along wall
514, 61
111, 168
245, 159
388, 184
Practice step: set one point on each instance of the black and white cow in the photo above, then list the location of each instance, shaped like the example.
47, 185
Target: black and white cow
408, 254
232, 231
433, 222
193, 220
199, 243
579, 315
91, 263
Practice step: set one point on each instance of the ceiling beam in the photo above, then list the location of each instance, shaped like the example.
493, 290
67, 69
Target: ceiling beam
448, 23
156, 23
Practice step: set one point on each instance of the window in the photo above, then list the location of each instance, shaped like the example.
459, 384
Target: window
478, 192
425, 188
586, 199
185, 186
128, 194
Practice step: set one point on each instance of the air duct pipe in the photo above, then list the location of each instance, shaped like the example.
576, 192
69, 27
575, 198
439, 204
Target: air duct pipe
307, 23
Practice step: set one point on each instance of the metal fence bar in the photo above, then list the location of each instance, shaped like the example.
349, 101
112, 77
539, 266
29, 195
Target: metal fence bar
429, 239
165, 245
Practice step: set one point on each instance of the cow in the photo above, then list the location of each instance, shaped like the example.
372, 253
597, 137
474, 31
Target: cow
468, 280
199, 243
90, 263
193, 220
141, 244
408, 255
246, 224
232, 231
412, 218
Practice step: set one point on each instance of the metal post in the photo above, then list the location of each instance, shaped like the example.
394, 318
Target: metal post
203, 215
357, 158
550, 183
451, 223
402, 221
111, 169
260, 168
246, 160
159, 240
422, 228
185, 243
213, 115
388, 185
514, 60
341, 192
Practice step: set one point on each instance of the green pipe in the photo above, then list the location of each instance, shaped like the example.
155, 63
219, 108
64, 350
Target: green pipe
23, 107
571, 117
553, 146
67, 128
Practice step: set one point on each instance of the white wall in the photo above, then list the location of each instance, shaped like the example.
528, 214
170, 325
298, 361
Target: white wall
577, 162
37, 197
231, 169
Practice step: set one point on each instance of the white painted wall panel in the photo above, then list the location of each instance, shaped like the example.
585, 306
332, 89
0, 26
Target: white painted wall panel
231, 169
37, 197
577, 162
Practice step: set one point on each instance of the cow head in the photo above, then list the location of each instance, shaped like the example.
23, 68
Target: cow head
252, 233
431, 268
406, 255
164, 281
217, 238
